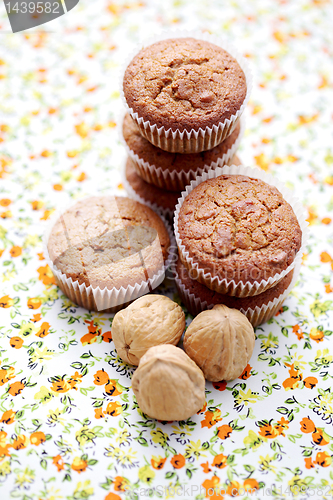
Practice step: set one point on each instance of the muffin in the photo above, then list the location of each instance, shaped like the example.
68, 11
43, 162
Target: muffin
156, 198
185, 94
173, 171
238, 232
258, 309
107, 248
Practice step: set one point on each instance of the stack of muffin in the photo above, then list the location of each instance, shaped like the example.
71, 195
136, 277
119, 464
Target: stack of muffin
237, 236
185, 98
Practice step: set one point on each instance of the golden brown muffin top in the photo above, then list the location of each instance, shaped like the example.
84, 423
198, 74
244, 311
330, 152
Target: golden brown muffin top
109, 242
239, 228
184, 84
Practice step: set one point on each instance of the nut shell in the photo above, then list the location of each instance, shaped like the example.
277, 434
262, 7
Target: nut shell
168, 385
149, 321
221, 342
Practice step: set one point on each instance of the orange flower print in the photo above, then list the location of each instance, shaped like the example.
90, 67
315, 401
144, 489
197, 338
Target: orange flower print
37, 205
36, 318
58, 462
310, 382
16, 388
316, 335
112, 496
4, 446
178, 461
111, 388
6, 375
99, 413
34, 303
60, 385
37, 438
307, 426
6, 301
224, 431
318, 438
46, 275
44, 330
75, 379
205, 467
6, 215
114, 409
212, 486
325, 257
309, 464
323, 459
16, 342
251, 484
246, 372
268, 431
233, 488
281, 426
101, 377
298, 332
220, 461
15, 251
5, 202
20, 442
89, 338
157, 462
220, 386
58, 187
211, 418
8, 417
107, 337
120, 483
79, 465
294, 379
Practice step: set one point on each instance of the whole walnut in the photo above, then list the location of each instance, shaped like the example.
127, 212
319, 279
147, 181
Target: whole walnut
150, 320
168, 385
221, 342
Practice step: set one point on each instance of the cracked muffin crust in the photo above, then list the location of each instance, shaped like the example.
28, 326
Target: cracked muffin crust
166, 200
184, 84
239, 228
205, 294
178, 162
109, 241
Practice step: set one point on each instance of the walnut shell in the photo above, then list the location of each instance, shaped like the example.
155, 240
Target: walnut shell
168, 385
150, 320
221, 342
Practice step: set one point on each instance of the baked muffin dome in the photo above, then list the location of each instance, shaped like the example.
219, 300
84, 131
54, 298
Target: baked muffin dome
184, 84
239, 228
109, 242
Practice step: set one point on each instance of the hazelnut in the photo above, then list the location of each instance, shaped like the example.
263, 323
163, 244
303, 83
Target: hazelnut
150, 320
168, 385
221, 342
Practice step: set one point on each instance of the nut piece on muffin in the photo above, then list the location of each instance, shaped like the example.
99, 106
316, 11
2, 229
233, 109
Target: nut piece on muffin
184, 84
108, 242
238, 228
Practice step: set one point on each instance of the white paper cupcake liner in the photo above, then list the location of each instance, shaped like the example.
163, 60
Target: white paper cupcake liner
193, 141
256, 316
95, 298
230, 287
174, 180
164, 212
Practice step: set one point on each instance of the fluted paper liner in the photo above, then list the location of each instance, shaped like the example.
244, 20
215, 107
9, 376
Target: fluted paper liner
194, 141
256, 316
230, 287
174, 180
165, 212
95, 298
